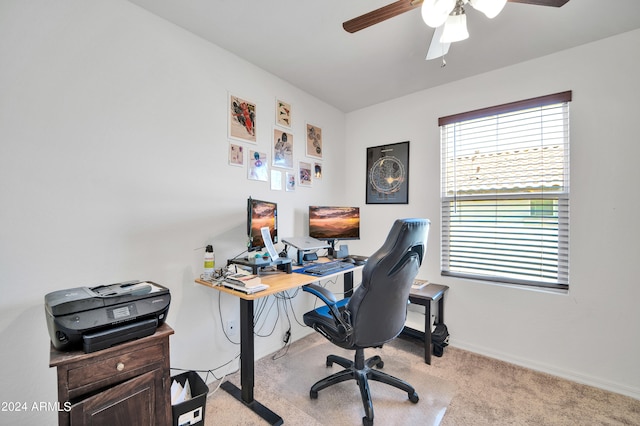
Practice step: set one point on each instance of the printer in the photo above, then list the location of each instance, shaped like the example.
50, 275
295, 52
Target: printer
103, 316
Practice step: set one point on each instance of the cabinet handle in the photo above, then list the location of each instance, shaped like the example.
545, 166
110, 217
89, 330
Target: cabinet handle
120, 366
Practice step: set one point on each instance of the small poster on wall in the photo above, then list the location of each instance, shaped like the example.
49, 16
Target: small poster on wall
291, 182
314, 141
304, 174
283, 114
236, 155
282, 149
276, 180
258, 166
242, 119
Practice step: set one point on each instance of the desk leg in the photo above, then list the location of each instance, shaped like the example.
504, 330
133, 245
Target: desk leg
245, 395
347, 279
247, 350
427, 332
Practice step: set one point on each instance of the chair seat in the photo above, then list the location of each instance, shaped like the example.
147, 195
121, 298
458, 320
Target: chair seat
321, 320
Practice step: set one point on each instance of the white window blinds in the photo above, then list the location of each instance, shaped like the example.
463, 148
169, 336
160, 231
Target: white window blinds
505, 193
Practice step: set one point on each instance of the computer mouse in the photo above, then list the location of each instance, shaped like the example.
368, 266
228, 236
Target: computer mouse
348, 260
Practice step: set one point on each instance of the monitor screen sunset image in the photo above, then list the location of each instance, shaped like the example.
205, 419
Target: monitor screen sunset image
262, 214
334, 223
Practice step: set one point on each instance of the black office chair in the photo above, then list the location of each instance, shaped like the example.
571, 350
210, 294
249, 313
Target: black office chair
376, 312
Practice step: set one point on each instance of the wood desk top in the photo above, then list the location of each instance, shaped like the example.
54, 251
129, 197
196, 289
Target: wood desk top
277, 282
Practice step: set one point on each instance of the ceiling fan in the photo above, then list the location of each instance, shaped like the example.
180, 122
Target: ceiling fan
446, 16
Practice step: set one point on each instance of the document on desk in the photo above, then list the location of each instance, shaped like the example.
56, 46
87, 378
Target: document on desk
248, 289
247, 280
418, 284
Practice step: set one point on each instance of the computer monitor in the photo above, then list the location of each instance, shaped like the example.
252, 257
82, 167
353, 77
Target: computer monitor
261, 214
333, 223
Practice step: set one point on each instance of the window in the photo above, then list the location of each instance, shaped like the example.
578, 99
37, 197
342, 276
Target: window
505, 193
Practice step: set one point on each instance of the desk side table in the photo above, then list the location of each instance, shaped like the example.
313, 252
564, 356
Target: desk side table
424, 297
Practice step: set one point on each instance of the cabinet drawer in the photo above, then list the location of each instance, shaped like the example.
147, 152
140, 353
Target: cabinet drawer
121, 366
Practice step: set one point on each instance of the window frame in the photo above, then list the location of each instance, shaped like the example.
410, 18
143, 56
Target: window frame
563, 197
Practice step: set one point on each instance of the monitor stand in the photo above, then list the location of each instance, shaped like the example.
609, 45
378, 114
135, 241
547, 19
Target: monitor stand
256, 263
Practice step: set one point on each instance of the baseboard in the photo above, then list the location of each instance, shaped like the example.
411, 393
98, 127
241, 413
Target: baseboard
549, 369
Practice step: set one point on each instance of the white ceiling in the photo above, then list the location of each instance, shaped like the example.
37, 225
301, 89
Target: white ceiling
302, 41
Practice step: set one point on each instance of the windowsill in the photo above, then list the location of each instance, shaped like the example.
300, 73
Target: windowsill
531, 288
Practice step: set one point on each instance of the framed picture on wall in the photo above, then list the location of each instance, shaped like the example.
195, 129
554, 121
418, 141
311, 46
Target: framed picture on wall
388, 174
276, 180
291, 181
304, 174
283, 114
236, 154
317, 170
314, 141
242, 119
282, 149
257, 163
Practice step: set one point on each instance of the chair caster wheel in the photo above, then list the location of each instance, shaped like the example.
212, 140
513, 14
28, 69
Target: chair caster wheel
414, 398
313, 394
329, 363
367, 421
380, 364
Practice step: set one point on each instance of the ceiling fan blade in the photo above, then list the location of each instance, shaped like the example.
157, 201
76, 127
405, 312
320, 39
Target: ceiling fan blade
553, 3
382, 14
436, 48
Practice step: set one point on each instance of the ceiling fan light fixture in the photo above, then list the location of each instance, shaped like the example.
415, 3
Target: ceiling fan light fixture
435, 12
455, 28
491, 8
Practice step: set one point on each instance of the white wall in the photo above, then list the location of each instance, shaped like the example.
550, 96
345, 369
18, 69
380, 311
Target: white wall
590, 334
113, 166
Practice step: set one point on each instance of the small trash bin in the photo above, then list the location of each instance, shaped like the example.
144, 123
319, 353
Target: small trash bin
190, 412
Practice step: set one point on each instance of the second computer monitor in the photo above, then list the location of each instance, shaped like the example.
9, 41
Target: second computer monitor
333, 223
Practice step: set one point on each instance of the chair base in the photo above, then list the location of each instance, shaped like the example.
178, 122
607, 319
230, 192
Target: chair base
362, 371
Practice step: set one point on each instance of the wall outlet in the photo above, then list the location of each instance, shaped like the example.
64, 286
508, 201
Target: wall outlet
231, 328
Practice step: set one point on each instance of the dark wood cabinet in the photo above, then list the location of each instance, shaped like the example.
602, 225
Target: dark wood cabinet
126, 384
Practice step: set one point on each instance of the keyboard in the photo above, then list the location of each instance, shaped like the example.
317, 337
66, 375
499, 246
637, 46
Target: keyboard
328, 267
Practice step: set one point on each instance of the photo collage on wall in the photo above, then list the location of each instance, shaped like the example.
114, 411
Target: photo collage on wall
275, 163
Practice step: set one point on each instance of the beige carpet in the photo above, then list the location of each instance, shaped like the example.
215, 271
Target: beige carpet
458, 389
283, 386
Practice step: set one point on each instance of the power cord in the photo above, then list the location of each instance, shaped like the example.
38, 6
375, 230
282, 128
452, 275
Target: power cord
212, 373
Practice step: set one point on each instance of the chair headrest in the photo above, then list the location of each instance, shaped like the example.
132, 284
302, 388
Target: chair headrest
407, 237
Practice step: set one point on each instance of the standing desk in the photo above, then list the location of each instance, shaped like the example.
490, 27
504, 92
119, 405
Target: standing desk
277, 283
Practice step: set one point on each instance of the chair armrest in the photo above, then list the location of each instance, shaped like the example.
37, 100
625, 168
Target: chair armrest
342, 319
322, 293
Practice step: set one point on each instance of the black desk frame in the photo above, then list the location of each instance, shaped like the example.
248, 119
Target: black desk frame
247, 367
247, 358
